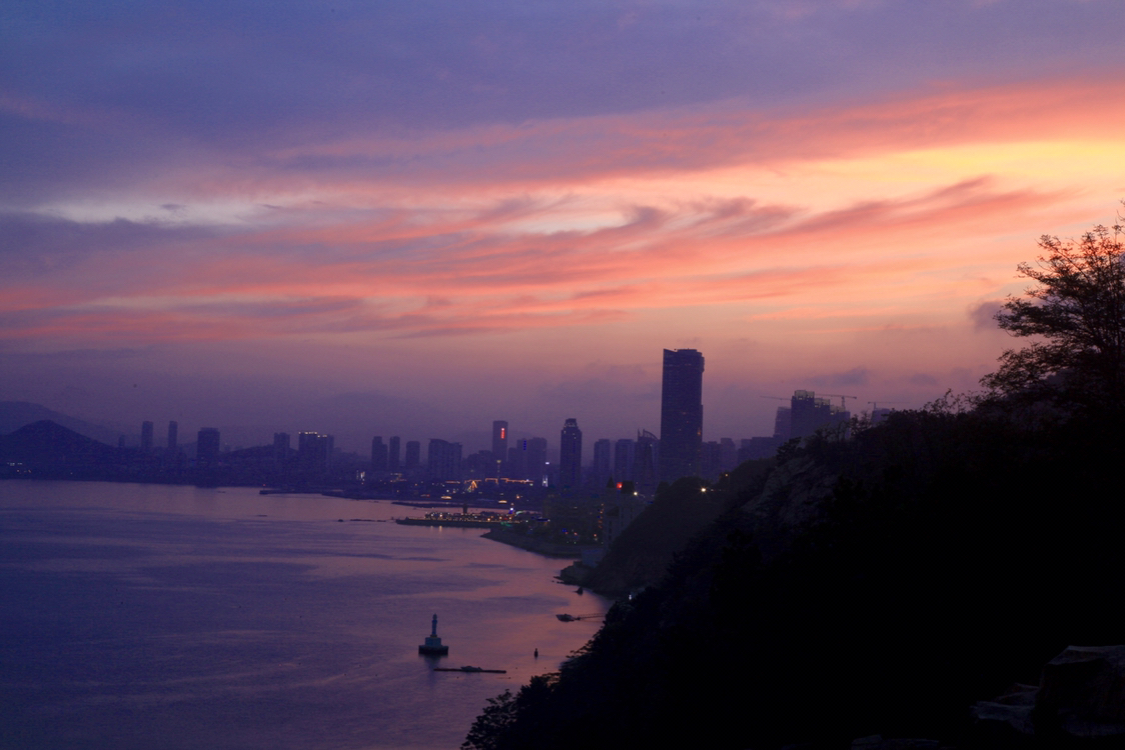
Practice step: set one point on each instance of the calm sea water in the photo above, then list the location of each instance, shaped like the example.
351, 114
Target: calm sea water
150, 616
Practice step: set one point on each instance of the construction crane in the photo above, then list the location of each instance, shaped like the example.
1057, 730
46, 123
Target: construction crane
843, 399
875, 404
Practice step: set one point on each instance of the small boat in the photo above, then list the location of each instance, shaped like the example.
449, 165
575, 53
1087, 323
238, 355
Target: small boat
575, 618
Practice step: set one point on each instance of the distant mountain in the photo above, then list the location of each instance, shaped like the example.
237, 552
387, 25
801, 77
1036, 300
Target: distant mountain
45, 443
16, 414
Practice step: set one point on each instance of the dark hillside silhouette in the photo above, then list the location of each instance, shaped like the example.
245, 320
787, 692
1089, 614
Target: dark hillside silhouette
57, 450
884, 583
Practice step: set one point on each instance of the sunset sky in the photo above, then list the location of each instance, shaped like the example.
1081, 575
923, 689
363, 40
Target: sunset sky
416, 217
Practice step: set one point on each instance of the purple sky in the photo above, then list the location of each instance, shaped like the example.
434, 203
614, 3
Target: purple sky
415, 218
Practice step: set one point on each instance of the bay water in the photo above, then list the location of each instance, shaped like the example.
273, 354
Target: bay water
161, 616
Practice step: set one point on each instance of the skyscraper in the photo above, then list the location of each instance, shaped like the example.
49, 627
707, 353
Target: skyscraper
314, 453
500, 439
570, 456
681, 414
146, 436
173, 437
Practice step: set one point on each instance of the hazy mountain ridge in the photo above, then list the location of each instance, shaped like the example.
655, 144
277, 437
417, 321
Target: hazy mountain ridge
16, 414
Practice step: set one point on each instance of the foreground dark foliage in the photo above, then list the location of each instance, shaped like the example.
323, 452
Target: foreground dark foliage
956, 554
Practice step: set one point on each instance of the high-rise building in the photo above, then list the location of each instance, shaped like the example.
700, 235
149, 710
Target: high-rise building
517, 460
536, 466
602, 463
173, 437
146, 436
570, 456
378, 454
500, 440
808, 413
623, 460
443, 460
207, 448
393, 454
644, 461
413, 458
314, 453
681, 414
880, 415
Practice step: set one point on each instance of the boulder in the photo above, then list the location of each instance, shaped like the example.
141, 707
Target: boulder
1082, 694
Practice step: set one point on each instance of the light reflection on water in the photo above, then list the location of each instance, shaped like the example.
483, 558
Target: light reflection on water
145, 616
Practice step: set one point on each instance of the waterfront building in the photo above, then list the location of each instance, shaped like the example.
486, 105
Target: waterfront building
207, 448
443, 460
146, 437
173, 437
570, 456
314, 453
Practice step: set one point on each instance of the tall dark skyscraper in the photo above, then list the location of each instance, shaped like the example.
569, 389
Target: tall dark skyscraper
500, 440
146, 436
173, 437
681, 414
570, 456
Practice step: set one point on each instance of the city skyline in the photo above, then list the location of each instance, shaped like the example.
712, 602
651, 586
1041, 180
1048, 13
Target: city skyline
412, 220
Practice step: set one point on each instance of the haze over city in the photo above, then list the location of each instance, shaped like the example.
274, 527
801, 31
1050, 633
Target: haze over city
417, 219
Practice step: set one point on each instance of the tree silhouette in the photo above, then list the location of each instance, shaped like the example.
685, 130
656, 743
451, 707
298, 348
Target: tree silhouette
1076, 314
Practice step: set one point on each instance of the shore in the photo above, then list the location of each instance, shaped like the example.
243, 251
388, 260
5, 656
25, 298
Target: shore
550, 549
